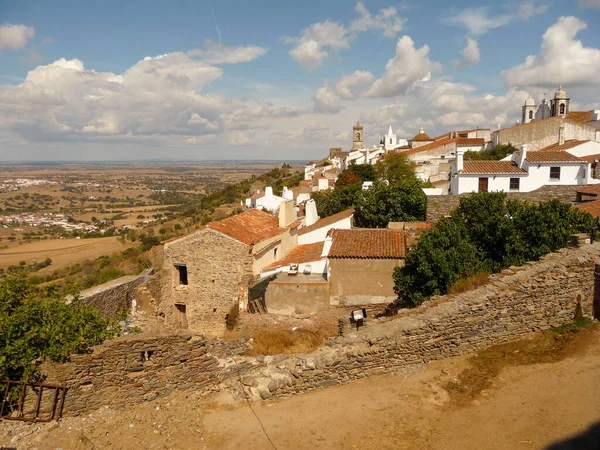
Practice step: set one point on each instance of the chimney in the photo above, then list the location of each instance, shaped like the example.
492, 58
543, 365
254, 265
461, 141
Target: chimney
327, 245
561, 135
460, 164
523, 155
287, 213
311, 212
269, 191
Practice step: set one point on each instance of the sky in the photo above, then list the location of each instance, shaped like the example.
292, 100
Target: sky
272, 79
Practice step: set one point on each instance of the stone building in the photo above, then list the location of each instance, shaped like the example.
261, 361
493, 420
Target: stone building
361, 263
357, 136
208, 272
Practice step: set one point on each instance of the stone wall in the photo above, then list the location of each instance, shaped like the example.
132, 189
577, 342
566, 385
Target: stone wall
218, 270
297, 295
439, 206
517, 302
514, 303
135, 368
110, 297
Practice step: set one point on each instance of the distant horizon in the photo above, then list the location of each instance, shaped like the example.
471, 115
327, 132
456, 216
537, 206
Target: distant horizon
125, 161
274, 80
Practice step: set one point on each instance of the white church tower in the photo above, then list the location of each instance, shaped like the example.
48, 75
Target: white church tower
390, 142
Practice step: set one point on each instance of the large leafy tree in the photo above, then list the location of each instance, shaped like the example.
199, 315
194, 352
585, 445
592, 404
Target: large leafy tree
383, 203
395, 168
486, 232
37, 323
443, 255
335, 201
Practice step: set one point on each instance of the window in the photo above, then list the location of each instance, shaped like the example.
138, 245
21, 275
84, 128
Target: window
182, 272
390, 141
530, 115
555, 173
562, 108
275, 254
514, 184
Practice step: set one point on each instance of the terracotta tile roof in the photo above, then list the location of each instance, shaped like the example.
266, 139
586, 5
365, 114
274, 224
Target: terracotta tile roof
550, 157
249, 227
374, 243
566, 146
581, 116
592, 207
491, 167
592, 189
326, 221
442, 142
301, 254
590, 158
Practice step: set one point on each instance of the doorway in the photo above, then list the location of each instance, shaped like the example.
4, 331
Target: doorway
181, 316
483, 185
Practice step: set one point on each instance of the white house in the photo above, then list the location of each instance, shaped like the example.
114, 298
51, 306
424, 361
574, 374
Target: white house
524, 172
266, 200
317, 231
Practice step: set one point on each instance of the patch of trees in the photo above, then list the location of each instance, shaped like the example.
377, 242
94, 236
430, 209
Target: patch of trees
486, 233
395, 194
37, 324
495, 154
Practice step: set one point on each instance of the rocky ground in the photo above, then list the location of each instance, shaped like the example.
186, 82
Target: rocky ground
525, 395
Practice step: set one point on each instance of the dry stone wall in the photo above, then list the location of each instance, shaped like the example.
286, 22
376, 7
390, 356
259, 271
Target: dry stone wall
439, 206
514, 303
110, 297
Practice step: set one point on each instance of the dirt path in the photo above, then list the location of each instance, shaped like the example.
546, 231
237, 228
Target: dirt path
521, 407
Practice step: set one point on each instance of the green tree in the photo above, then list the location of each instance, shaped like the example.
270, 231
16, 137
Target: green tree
497, 153
442, 256
395, 168
335, 201
37, 323
347, 178
383, 203
366, 172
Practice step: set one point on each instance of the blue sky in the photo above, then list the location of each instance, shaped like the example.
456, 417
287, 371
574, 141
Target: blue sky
276, 80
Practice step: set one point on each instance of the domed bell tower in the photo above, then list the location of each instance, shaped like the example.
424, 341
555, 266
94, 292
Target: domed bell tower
357, 133
560, 103
529, 110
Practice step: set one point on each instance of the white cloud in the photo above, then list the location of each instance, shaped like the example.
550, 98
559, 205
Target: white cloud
529, 8
213, 53
409, 66
240, 138
318, 41
326, 101
562, 59
592, 4
471, 54
315, 41
387, 21
13, 37
354, 84
159, 96
477, 21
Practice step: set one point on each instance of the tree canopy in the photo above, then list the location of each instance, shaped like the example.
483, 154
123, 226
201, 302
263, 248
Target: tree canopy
494, 154
38, 323
487, 232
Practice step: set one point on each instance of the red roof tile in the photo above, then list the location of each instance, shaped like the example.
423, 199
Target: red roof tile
249, 227
375, 243
561, 147
330, 220
491, 167
593, 189
550, 157
581, 116
446, 141
301, 254
592, 207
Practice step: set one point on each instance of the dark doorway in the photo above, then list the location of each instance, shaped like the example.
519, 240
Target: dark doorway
483, 185
181, 316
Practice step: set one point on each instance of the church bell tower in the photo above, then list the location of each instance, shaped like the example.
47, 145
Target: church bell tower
357, 133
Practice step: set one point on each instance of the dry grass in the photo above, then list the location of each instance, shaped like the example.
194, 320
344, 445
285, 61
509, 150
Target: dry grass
276, 341
467, 284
